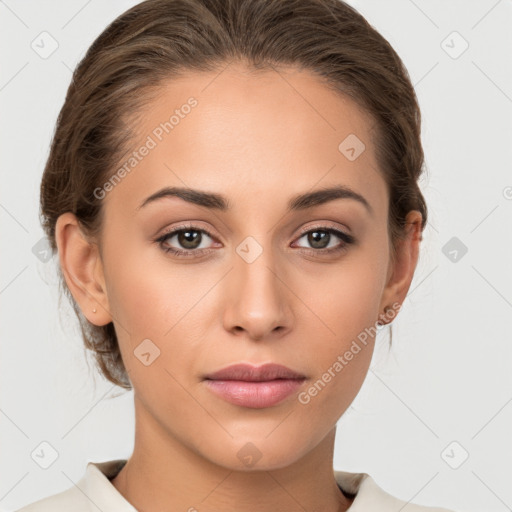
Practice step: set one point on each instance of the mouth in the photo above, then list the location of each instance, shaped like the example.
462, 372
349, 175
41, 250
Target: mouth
254, 387
250, 373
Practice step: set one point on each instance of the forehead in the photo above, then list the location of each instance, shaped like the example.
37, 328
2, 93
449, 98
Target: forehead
250, 134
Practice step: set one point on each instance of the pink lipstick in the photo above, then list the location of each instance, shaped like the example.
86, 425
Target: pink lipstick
254, 386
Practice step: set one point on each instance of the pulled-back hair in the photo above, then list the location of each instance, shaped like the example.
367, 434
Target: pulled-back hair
157, 40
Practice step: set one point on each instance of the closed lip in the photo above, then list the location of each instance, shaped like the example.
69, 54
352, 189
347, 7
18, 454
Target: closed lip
249, 373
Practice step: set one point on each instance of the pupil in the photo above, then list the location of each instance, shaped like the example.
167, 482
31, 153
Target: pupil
183, 238
313, 239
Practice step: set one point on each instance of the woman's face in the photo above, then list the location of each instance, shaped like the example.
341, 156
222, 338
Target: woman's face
254, 287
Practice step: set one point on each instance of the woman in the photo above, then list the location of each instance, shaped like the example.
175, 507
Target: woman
232, 190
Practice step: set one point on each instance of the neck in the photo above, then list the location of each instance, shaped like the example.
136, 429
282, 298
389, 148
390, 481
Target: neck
167, 475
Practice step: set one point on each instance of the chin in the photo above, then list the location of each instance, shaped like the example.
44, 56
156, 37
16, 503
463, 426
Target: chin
257, 453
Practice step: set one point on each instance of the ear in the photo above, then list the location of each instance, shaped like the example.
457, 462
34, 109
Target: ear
401, 272
83, 269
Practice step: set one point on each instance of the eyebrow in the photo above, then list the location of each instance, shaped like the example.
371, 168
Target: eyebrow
221, 203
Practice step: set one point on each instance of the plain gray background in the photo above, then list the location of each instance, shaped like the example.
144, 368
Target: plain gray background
444, 392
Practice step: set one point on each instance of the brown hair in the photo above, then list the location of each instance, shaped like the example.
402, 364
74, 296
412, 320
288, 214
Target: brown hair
158, 39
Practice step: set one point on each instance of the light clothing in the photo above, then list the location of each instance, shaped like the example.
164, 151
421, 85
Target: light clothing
95, 492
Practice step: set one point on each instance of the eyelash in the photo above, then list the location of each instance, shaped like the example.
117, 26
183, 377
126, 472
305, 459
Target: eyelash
347, 240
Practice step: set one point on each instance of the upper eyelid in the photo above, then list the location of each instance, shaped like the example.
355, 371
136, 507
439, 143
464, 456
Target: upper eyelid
323, 225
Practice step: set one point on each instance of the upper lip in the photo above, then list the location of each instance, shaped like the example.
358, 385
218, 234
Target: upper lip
248, 372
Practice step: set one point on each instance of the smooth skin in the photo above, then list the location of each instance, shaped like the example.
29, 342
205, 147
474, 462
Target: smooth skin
259, 139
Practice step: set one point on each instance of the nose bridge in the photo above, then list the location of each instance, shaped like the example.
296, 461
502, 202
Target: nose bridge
256, 303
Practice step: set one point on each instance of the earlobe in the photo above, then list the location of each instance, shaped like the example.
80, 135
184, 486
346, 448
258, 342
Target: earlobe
82, 268
401, 274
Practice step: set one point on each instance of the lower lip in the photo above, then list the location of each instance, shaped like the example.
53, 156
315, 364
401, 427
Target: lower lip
254, 394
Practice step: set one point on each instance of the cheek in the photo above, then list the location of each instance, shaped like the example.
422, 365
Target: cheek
147, 294
339, 358
342, 331
344, 298
163, 304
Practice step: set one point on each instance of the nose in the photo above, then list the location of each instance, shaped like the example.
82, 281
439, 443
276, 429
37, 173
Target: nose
257, 299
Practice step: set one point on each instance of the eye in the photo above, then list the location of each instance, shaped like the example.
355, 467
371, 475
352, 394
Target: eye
320, 239
190, 238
